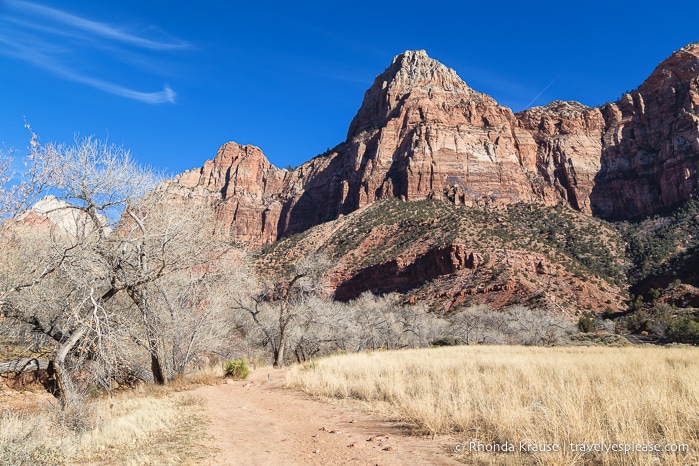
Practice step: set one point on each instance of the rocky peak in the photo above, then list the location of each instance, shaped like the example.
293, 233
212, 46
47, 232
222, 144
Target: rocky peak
53, 212
562, 107
236, 170
421, 132
414, 70
681, 67
411, 75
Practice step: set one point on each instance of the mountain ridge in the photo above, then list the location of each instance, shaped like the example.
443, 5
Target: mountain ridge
422, 132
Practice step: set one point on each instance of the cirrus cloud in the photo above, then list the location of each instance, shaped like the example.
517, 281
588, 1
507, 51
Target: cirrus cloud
85, 51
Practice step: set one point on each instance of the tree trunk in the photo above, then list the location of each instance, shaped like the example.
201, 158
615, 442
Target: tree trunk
60, 381
279, 355
23, 365
156, 367
60, 384
150, 323
156, 358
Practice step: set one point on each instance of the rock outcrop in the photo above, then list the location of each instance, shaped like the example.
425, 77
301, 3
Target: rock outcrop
650, 145
51, 212
407, 272
421, 132
565, 140
245, 188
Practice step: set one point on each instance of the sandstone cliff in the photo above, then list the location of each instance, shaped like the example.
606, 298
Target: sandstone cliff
245, 188
422, 132
565, 140
650, 145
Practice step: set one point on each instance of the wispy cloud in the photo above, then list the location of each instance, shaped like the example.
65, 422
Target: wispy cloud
43, 60
41, 41
167, 95
96, 28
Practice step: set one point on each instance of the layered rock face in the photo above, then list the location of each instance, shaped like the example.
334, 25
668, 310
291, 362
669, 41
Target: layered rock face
565, 140
244, 186
421, 132
408, 272
650, 145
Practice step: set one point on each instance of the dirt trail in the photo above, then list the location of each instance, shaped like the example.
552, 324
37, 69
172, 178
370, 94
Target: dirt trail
258, 422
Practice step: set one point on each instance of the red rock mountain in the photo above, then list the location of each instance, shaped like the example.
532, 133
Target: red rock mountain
421, 132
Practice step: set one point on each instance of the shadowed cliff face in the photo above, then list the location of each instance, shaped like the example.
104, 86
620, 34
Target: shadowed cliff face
421, 132
650, 144
406, 274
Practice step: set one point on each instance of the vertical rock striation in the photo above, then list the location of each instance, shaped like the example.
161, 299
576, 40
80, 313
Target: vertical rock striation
422, 132
650, 145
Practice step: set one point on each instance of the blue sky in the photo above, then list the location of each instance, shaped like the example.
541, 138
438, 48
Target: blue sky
172, 80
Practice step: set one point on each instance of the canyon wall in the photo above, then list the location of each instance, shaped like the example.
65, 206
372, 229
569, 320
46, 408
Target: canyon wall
422, 132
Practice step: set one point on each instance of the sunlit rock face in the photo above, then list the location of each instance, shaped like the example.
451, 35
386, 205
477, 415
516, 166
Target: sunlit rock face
422, 132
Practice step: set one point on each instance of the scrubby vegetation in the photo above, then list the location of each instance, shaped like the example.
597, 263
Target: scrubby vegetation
664, 253
592, 245
236, 369
575, 248
664, 245
584, 244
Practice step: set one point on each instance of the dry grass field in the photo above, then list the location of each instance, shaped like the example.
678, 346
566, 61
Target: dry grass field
584, 402
147, 425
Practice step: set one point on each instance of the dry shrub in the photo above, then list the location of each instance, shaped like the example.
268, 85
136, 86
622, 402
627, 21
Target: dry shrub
492, 394
136, 427
236, 369
23, 440
210, 374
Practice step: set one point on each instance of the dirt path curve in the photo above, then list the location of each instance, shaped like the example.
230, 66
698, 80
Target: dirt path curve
258, 422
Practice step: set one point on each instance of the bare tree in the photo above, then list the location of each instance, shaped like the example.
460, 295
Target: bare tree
515, 325
163, 243
20, 188
326, 327
192, 310
50, 287
275, 310
97, 241
536, 327
376, 318
471, 324
61, 271
420, 327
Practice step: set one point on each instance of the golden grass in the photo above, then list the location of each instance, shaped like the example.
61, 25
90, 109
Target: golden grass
210, 374
547, 396
132, 428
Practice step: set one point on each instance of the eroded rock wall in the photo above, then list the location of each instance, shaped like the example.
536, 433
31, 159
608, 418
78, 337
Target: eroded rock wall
422, 132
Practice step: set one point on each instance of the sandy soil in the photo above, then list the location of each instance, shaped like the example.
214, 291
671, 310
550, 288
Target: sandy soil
258, 422
29, 399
